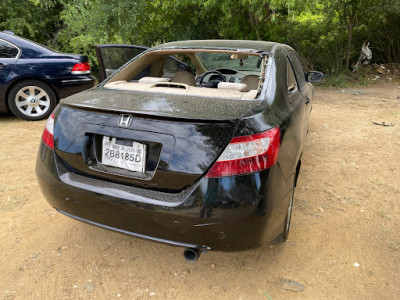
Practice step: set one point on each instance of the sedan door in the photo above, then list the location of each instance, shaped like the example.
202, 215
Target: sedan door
8, 57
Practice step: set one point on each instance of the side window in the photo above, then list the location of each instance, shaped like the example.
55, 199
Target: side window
291, 79
298, 68
7, 50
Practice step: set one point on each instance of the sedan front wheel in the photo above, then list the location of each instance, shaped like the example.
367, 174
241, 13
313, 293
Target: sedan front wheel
32, 100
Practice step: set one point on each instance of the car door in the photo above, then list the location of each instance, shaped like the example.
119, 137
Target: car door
9, 54
294, 137
304, 93
306, 90
112, 56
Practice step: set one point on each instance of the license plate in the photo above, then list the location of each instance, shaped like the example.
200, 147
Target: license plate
130, 157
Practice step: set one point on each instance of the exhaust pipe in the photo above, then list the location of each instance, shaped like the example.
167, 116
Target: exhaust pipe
191, 254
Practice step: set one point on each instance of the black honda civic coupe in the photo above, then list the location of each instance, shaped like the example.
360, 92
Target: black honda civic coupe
193, 143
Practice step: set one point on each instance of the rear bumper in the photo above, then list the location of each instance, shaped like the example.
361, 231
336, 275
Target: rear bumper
209, 215
133, 233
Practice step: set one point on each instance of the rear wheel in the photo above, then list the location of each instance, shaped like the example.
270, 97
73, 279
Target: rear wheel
285, 233
32, 100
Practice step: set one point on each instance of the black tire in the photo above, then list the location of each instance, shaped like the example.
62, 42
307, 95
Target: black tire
286, 227
32, 100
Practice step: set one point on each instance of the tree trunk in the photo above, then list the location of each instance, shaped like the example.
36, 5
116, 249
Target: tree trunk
254, 24
254, 18
349, 38
350, 12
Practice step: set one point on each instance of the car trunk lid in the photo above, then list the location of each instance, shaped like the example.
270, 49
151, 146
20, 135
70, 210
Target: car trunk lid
161, 104
183, 137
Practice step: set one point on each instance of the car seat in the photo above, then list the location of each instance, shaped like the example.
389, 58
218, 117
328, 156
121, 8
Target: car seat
252, 81
185, 77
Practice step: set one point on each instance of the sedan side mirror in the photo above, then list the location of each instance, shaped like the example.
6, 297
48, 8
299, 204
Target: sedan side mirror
315, 77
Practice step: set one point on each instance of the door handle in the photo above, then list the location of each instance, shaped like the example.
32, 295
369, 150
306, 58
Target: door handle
3, 66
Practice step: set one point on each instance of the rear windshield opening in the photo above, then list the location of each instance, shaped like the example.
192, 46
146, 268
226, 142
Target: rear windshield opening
209, 73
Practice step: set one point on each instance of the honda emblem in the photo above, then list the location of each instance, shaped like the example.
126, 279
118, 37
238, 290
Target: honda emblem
125, 120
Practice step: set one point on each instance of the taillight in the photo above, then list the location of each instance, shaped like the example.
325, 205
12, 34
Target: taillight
47, 136
81, 68
248, 154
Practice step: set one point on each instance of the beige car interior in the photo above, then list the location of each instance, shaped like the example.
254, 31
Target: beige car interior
184, 77
182, 82
251, 81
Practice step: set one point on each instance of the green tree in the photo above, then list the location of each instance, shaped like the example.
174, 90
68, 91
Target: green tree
34, 19
327, 34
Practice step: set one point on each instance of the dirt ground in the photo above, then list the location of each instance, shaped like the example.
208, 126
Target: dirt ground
344, 241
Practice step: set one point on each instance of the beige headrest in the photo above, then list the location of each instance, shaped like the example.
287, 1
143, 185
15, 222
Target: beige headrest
148, 79
251, 81
241, 87
184, 77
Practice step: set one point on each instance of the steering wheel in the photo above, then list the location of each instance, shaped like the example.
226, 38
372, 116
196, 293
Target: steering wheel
211, 72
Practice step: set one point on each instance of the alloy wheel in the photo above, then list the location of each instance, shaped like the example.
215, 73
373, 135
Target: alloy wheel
32, 101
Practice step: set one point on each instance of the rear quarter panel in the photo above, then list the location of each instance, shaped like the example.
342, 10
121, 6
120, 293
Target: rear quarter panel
44, 68
290, 113
279, 109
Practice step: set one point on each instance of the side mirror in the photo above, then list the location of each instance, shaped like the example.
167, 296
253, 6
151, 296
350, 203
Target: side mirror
315, 77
